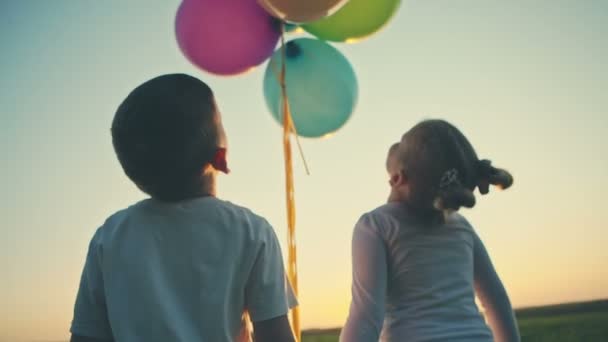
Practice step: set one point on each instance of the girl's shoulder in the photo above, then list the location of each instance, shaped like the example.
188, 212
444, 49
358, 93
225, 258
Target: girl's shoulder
388, 211
457, 219
391, 209
397, 216
388, 219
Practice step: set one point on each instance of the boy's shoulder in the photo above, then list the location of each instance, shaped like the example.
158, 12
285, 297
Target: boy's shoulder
244, 214
208, 209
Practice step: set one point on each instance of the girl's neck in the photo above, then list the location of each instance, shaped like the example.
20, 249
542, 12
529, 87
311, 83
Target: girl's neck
396, 196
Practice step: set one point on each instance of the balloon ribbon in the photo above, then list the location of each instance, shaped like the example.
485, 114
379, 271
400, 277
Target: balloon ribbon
288, 129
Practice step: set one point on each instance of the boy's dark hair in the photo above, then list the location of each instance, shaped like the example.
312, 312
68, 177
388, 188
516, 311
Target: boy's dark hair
443, 169
164, 133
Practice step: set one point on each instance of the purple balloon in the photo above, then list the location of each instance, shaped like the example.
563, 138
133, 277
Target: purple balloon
225, 37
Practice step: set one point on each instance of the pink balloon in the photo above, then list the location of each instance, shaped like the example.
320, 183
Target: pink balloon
225, 37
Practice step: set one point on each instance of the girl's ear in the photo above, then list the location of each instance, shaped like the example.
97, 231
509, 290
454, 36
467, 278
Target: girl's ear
398, 179
393, 179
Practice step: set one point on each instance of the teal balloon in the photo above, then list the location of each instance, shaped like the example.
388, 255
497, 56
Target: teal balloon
321, 87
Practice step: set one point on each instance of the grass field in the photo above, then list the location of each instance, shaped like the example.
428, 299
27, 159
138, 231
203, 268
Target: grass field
576, 322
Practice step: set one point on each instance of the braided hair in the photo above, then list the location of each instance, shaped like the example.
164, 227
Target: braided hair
443, 170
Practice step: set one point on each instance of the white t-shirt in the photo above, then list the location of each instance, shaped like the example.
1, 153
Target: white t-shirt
180, 272
412, 282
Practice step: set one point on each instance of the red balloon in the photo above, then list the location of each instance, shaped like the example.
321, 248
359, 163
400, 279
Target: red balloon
225, 37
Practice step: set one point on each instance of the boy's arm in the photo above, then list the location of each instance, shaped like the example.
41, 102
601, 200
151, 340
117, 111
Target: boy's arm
267, 293
274, 329
90, 321
77, 338
493, 296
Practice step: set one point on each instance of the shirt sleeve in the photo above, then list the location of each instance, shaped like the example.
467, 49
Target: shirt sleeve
90, 313
268, 294
369, 283
493, 296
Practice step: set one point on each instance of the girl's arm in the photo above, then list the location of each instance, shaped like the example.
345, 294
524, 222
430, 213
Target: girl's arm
493, 297
368, 285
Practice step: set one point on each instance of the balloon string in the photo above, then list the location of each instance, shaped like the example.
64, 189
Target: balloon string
300, 149
288, 129
280, 76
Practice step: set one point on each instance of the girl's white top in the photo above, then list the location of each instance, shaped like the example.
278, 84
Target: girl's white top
415, 282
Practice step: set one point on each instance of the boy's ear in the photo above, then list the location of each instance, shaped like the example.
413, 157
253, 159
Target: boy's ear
220, 162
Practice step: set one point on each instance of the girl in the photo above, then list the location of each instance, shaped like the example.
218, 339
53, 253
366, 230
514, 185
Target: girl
417, 263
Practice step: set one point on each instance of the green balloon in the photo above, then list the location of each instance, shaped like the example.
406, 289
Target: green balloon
358, 19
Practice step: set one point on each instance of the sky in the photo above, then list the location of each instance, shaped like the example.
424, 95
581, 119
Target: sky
526, 81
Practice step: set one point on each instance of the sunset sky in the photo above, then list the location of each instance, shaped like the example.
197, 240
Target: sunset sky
527, 82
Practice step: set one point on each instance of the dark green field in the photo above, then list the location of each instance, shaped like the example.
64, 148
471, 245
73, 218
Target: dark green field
576, 322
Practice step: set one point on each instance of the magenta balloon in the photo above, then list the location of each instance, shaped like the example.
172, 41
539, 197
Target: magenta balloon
225, 37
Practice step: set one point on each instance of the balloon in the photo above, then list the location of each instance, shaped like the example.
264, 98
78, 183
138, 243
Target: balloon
289, 27
292, 29
225, 37
355, 21
300, 10
321, 87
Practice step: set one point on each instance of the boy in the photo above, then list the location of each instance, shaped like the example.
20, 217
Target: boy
182, 265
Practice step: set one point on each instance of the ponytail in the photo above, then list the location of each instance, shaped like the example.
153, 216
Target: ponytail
453, 195
488, 174
443, 169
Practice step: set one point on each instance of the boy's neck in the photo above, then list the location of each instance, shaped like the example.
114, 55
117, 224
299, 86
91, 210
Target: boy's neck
209, 184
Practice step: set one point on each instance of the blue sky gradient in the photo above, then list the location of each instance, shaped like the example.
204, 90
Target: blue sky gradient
525, 80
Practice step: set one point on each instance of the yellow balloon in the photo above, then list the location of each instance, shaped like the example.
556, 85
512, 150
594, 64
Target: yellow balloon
301, 11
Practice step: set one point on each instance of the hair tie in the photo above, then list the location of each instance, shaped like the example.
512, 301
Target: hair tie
449, 178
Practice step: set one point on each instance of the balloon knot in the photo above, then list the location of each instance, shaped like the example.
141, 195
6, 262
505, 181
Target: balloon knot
277, 24
292, 49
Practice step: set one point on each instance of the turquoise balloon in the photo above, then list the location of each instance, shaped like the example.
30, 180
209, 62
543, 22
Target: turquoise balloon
321, 87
